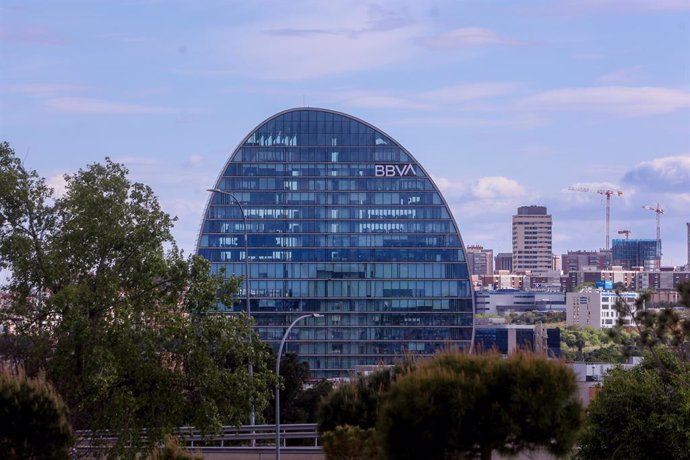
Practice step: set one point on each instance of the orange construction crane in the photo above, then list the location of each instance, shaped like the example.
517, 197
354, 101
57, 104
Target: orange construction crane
607, 193
625, 232
659, 211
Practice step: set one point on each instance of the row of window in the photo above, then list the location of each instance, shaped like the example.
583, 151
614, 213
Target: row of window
330, 198
345, 271
330, 241
325, 153
335, 255
318, 212
311, 169
359, 184
355, 306
322, 226
340, 322
357, 288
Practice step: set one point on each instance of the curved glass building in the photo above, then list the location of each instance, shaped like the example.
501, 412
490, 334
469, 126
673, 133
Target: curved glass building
342, 221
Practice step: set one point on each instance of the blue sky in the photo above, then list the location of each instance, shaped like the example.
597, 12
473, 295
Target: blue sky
504, 103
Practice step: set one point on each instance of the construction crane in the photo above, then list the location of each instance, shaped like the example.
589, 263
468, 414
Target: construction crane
659, 211
625, 232
608, 193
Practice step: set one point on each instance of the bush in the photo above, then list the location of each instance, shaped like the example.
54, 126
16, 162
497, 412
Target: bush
33, 418
351, 443
460, 405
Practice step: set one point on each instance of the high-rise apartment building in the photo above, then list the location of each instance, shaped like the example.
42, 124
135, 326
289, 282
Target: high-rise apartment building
343, 221
480, 260
532, 239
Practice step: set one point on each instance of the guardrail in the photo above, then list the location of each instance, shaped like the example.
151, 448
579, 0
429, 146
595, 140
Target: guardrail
227, 439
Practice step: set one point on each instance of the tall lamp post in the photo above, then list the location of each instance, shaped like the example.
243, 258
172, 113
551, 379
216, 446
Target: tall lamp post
280, 352
252, 413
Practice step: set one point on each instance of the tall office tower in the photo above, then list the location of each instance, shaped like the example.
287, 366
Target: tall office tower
688, 266
504, 261
342, 221
633, 254
480, 260
532, 229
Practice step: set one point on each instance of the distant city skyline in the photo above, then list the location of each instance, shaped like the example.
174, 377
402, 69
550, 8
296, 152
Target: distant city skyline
505, 104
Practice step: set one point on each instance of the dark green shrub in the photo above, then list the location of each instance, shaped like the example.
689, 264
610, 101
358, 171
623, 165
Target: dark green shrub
33, 418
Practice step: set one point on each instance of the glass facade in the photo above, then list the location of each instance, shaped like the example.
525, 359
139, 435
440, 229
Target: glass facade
634, 253
341, 221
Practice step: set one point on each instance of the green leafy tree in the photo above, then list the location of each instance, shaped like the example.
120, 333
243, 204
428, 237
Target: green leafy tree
645, 412
459, 405
33, 418
122, 324
294, 373
638, 415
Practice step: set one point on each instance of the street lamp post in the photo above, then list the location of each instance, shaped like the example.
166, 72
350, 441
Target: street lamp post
280, 352
252, 413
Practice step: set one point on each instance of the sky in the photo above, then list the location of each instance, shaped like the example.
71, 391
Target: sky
504, 103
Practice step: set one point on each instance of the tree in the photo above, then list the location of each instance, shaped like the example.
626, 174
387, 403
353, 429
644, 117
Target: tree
123, 325
645, 412
33, 418
636, 415
461, 405
351, 443
357, 403
294, 374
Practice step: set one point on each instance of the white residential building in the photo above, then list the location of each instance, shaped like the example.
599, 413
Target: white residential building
595, 308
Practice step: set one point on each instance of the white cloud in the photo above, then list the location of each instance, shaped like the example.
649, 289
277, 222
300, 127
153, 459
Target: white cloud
670, 174
43, 89
58, 184
624, 6
195, 160
622, 76
616, 100
449, 187
500, 187
99, 106
469, 92
469, 37
333, 38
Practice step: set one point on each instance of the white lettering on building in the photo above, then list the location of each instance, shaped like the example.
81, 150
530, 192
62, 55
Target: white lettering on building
394, 170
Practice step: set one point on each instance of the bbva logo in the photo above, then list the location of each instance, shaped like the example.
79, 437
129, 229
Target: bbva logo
394, 170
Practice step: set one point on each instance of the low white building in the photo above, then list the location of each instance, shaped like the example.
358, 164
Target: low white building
594, 308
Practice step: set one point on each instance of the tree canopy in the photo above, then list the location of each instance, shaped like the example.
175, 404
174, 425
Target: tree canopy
101, 300
644, 412
461, 405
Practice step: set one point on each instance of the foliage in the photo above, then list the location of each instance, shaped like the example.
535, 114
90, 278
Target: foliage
592, 345
33, 418
637, 415
171, 450
534, 317
104, 302
347, 442
461, 405
584, 286
308, 400
356, 403
294, 374
666, 328
645, 412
